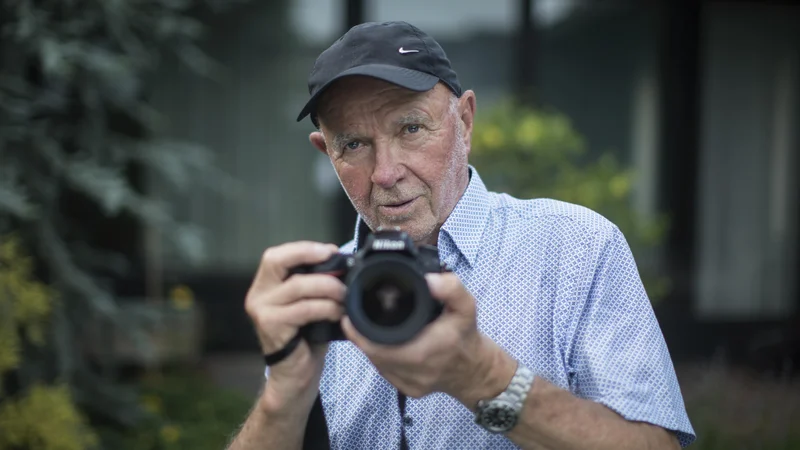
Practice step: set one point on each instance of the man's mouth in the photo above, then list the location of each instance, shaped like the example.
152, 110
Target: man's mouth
397, 207
399, 204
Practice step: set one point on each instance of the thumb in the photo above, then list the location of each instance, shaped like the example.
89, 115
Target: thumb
448, 289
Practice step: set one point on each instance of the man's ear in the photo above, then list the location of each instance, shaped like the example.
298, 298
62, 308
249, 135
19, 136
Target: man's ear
467, 105
318, 141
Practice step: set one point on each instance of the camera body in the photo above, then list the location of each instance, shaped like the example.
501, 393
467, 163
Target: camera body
387, 297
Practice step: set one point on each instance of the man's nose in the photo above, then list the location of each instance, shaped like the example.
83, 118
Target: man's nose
389, 169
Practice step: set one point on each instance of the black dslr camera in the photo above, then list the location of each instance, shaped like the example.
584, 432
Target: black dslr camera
387, 297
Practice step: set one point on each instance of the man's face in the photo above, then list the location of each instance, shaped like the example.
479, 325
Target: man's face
401, 155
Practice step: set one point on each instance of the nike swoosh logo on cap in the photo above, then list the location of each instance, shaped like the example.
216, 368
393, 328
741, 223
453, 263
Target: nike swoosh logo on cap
402, 50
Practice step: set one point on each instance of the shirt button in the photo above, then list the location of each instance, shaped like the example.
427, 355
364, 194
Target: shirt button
408, 420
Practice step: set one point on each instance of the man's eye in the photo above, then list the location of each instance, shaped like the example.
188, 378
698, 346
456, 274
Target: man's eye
412, 128
352, 145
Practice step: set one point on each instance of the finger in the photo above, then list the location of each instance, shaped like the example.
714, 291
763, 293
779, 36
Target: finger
447, 288
356, 338
306, 311
410, 353
277, 325
276, 261
308, 286
371, 349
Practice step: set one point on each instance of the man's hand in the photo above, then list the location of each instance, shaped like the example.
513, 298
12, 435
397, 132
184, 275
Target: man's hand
279, 306
450, 355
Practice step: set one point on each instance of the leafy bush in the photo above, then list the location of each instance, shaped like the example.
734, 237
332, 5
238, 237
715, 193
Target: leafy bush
531, 153
41, 415
185, 411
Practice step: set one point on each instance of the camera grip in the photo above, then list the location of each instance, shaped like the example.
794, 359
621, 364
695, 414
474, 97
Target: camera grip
335, 265
322, 332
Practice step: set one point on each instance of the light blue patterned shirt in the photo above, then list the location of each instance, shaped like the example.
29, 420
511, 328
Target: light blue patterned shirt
557, 288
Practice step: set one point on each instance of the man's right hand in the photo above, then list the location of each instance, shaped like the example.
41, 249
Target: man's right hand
279, 304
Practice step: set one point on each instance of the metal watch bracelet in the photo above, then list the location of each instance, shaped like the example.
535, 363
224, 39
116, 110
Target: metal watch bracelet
500, 414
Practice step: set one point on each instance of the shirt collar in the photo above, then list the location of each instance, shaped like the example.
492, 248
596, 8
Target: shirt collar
465, 224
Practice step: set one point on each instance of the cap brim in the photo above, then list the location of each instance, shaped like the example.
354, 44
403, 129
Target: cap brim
407, 78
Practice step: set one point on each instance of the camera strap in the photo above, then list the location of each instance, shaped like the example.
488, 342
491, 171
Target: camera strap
274, 358
401, 403
316, 434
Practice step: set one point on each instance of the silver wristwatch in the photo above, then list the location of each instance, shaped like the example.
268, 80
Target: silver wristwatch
500, 414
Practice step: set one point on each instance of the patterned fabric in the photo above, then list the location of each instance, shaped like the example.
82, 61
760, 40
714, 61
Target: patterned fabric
558, 289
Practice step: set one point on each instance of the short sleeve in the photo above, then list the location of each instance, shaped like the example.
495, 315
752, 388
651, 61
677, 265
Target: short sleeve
618, 355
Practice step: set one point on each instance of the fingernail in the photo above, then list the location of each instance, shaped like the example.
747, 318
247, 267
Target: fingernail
433, 279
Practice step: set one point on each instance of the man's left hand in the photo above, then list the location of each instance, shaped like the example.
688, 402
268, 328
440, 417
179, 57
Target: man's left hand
450, 355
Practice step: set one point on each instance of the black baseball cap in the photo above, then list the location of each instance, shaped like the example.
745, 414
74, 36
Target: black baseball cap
396, 52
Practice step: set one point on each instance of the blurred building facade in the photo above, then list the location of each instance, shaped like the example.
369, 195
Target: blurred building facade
702, 98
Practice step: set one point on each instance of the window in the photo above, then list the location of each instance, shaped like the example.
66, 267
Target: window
747, 211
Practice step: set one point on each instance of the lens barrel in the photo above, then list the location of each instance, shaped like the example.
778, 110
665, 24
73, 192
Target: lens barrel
388, 300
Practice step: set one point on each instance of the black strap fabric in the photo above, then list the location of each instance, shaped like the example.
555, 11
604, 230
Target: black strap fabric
316, 434
401, 403
274, 358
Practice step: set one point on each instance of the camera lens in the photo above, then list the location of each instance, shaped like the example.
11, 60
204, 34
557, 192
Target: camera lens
388, 301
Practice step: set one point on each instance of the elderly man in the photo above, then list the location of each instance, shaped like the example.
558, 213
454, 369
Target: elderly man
547, 338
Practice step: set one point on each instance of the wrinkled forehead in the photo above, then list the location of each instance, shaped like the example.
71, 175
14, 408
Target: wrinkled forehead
353, 96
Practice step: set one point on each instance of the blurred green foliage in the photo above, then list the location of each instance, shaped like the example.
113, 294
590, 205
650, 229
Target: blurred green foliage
531, 153
43, 415
25, 303
76, 127
737, 409
184, 411
713, 438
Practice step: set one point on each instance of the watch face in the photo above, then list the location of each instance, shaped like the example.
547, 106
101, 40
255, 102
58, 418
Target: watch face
499, 417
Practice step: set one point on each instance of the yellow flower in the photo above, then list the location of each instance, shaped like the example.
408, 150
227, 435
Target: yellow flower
182, 297
170, 433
